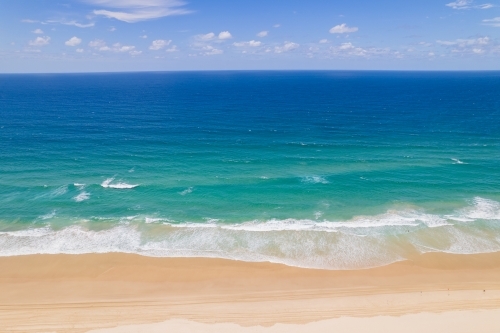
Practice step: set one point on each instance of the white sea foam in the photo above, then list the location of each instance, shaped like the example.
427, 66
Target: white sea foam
122, 186
187, 191
192, 225
108, 184
484, 209
314, 180
150, 220
55, 193
334, 252
457, 161
481, 209
35, 232
274, 225
364, 241
390, 219
82, 197
71, 240
48, 216
60, 191
455, 239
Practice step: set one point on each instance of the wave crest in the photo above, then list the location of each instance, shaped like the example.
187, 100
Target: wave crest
82, 197
108, 184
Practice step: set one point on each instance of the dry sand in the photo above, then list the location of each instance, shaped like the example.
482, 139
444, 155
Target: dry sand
99, 293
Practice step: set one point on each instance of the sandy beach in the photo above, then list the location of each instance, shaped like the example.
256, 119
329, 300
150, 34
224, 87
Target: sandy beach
120, 292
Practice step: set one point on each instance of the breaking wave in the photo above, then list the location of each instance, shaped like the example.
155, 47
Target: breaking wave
82, 197
108, 184
362, 242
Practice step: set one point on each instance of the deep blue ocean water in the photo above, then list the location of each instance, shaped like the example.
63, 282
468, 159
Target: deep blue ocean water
315, 169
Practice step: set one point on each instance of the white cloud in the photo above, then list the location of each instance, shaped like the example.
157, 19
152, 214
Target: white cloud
210, 50
144, 36
486, 6
211, 36
159, 44
494, 22
478, 45
350, 50
252, 43
276, 25
79, 50
29, 21
97, 43
465, 42
40, 41
225, 35
135, 53
132, 11
101, 45
468, 4
117, 47
323, 41
172, 49
73, 41
112, 29
342, 29
347, 46
72, 23
206, 37
263, 34
460, 4
446, 43
38, 31
287, 46
79, 25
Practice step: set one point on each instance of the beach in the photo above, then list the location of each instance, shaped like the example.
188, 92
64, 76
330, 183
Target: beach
106, 293
279, 201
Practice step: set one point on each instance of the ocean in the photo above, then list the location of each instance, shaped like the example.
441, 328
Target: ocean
327, 169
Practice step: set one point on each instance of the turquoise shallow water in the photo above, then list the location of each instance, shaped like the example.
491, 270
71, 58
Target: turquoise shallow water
316, 169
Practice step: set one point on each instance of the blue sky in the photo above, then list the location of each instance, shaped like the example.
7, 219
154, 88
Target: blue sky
138, 35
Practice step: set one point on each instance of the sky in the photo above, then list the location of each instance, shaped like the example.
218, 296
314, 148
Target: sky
164, 35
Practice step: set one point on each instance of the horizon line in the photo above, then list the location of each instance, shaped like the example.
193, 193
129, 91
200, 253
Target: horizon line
258, 70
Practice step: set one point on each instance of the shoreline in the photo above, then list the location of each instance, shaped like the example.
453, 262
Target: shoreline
80, 293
